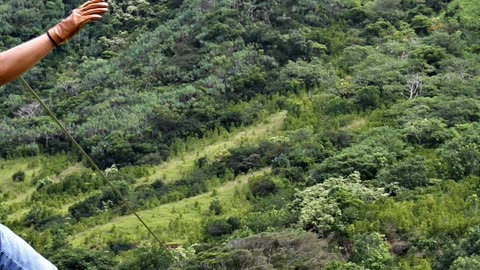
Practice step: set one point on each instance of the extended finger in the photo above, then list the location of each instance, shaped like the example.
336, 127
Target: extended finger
91, 2
92, 18
94, 11
84, 4
94, 5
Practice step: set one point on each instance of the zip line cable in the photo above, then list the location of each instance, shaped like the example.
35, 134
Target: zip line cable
94, 165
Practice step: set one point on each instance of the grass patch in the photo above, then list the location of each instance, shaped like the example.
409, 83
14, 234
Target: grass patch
15, 192
178, 167
175, 223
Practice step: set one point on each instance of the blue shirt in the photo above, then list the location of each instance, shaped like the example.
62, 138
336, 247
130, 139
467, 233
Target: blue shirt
16, 254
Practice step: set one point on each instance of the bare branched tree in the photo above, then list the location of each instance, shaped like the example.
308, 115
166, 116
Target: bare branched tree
414, 86
29, 111
207, 5
70, 88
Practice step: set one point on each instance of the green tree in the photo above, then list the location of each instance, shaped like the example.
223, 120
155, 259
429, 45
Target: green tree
333, 204
368, 97
372, 252
409, 173
379, 148
303, 75
461, 155
430, 132
466, 263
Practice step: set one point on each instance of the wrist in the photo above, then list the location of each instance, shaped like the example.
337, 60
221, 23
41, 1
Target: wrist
52, 39
54, 36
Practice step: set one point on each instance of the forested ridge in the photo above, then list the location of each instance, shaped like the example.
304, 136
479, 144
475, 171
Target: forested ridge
276, 134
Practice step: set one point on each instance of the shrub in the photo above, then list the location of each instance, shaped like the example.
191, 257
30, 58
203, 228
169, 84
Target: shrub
148, 258
86, 208
368, 97
69, 258
118, 245
262, 221
216, 207
221, 227
262, 186
281, 161
151, 159
234, 222
379, 148
18, 176
461, 155
3, 214
371, 251
333, 204
280, 250
409, 173
466, 263
344, 266
428, 132
39, 216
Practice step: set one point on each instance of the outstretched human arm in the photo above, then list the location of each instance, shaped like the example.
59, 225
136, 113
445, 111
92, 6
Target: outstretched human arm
17, 60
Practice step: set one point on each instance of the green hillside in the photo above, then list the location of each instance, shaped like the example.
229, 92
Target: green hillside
177, 223
286, 134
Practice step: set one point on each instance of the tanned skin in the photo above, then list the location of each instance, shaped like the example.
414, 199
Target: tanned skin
21, 58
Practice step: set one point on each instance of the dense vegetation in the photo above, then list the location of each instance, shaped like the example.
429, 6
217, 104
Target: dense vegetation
376, 167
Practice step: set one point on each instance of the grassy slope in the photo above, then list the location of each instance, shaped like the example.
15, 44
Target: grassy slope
184, 217
174, 222
181, 221
16, 195
177, 166
13, 192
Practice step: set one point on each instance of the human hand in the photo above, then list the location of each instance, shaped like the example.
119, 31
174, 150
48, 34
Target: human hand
86, 13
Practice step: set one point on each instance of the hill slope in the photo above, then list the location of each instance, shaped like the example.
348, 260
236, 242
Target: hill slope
377, 154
